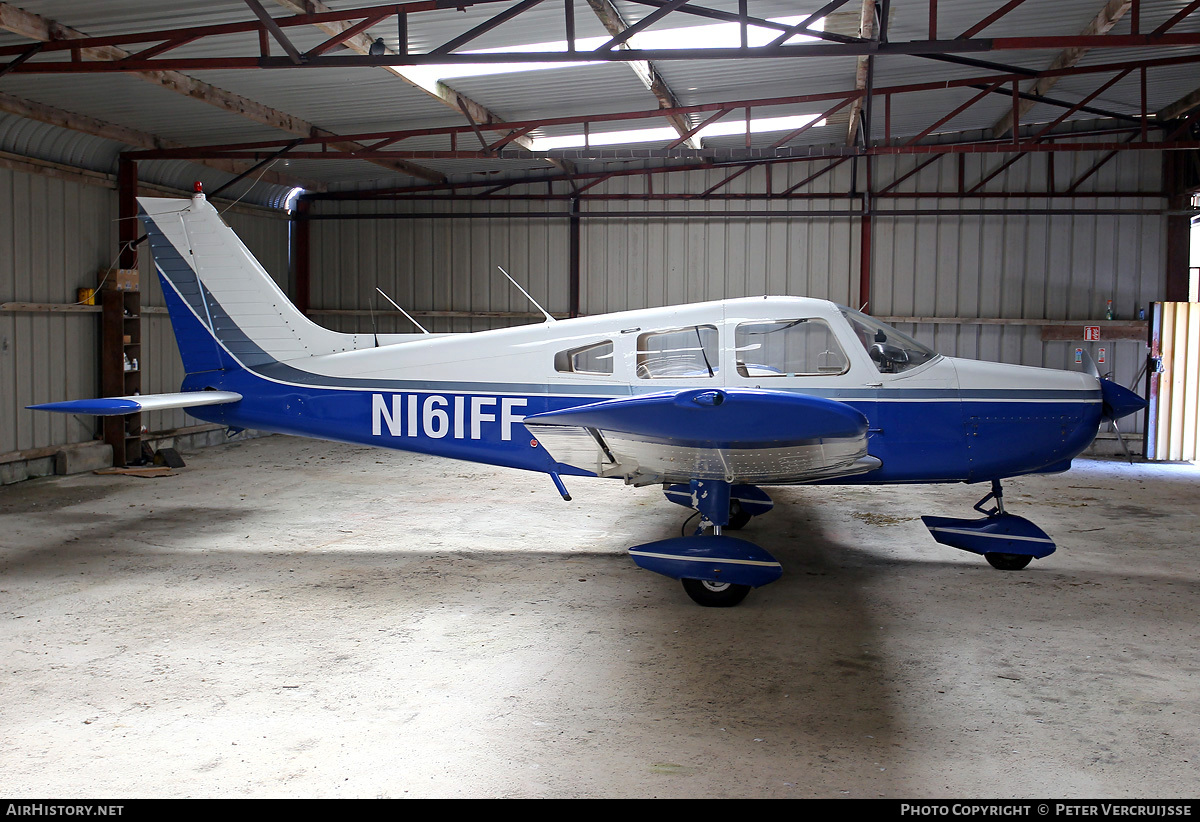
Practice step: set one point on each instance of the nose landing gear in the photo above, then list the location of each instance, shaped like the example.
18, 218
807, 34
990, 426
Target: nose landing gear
1006, 541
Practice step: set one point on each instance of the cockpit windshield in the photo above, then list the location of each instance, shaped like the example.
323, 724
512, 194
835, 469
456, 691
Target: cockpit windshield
891, 351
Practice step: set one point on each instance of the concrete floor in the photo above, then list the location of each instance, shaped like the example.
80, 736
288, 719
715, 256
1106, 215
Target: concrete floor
293, 618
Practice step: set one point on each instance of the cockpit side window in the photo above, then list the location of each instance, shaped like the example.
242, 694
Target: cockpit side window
891, 351
589, 359
681, 352
788, 348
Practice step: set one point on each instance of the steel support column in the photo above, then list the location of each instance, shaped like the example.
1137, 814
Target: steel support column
574, 251
1180, 180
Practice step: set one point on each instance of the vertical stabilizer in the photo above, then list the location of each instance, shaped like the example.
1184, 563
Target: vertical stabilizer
226, 310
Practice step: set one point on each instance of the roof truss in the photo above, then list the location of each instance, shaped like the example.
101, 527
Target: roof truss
155, 56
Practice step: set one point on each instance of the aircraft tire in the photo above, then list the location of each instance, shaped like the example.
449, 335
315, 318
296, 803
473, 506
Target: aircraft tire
715, 594
738, 519
1007, 562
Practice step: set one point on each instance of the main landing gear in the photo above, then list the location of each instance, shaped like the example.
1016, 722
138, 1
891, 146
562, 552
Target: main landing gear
1006, 541
715, 594
716, 571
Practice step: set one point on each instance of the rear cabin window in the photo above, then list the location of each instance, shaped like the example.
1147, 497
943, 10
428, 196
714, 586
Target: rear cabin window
589, 359
681, 352
788, 348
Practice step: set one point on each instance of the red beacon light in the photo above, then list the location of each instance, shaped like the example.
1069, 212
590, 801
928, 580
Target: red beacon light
198, 187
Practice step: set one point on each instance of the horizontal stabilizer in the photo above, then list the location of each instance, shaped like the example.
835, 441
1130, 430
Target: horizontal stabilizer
114, 406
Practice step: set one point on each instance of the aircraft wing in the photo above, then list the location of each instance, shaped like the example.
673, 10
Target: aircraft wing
113, 406
736, 435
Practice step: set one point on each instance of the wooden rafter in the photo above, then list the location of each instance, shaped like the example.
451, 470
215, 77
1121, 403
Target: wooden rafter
1113, 11
866, 30
36, 27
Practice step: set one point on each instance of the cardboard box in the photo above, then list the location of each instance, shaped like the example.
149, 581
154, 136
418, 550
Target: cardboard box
118, 279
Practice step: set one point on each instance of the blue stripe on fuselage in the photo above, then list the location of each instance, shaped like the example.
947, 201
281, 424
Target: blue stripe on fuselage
476, 427
930, 441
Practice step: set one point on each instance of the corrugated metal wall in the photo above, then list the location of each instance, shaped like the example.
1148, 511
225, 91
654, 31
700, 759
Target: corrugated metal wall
441, 264
55, 235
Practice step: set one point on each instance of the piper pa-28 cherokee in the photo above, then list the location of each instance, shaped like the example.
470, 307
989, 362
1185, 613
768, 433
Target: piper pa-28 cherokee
711, 400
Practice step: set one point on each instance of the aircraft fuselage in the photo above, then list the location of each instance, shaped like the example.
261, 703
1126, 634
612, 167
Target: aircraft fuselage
465, 396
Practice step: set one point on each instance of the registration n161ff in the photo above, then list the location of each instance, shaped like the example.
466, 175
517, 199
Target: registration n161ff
437, 416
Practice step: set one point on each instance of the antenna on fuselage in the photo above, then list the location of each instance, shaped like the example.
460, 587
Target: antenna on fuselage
402, 311
549, 319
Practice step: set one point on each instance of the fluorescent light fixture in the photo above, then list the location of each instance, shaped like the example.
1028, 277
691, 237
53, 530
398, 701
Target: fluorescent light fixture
720, 35
667, 134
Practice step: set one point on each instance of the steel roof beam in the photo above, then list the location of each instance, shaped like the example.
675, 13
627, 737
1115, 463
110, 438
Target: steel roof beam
36, 27
361, 42
803, 26
484, 27
326, 16
822, 97
615, 24
43, 113
1076, 106
599, 176
914, 48
745, 19
1107, 85
292, 52
645, 23
1180, 107
991, 18
727, 155
841, 44
951, 115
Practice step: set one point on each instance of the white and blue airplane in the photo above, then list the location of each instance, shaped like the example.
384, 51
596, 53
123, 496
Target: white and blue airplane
712, 401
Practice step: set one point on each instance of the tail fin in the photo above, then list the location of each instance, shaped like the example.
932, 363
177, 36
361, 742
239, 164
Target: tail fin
226, 310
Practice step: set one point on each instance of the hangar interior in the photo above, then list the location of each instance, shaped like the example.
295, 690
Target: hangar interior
1007, 181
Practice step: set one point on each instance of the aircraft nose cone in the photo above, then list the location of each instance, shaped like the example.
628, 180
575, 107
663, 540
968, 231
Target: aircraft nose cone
1119, 401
